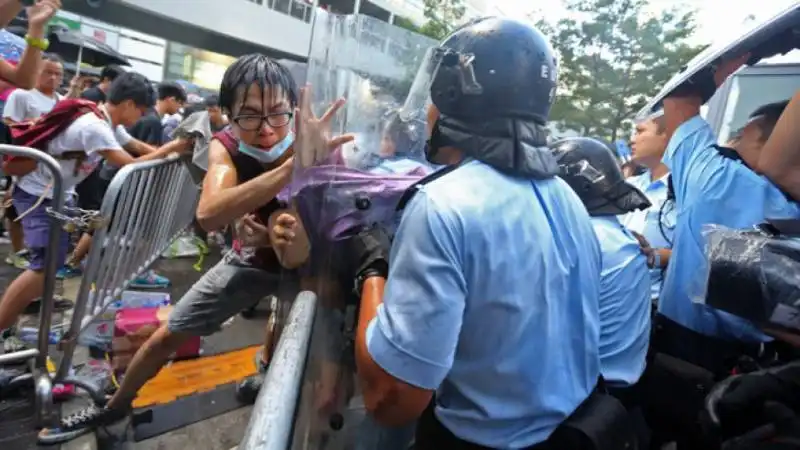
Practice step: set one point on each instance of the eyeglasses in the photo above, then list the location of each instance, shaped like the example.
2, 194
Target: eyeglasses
252, 122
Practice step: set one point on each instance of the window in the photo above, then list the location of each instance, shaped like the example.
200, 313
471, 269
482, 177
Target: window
753, 88
300, 10
257, 2
282, 6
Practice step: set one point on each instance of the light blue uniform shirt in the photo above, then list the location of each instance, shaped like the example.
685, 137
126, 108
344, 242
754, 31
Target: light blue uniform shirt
398, 166
624, 303
656, 223
711, 189
492, 301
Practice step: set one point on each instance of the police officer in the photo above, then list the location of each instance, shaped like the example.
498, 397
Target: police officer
590, 168
484, 321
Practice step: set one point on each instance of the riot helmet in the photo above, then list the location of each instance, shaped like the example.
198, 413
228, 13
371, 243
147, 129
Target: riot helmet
590, 168
492, 82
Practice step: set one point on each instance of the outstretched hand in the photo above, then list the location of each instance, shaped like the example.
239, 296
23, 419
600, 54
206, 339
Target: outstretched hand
313, 141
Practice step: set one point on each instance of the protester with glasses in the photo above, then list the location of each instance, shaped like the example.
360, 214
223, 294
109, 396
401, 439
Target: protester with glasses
249, 164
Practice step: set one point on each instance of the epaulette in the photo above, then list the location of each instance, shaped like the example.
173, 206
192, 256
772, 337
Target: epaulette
414, 188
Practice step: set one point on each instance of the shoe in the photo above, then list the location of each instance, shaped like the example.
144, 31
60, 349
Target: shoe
150, 280
18, 260
67, 272
60, 304
247, 390
80, 423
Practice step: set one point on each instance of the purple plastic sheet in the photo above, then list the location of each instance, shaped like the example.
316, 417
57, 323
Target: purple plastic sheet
335, 202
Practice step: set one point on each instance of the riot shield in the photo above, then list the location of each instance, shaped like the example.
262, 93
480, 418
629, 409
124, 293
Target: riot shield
372, 64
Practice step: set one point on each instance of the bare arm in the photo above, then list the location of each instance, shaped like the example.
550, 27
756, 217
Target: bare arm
8, 10
25, 73
120, 158
139, 148
222, 200
780, 158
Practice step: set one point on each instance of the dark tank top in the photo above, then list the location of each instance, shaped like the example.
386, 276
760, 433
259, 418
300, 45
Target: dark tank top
248, 168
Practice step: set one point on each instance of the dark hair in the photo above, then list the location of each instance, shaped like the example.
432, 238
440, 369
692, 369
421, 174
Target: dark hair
256, 69
192, 108
211, 101
111, 72
768, 115
131, 86
52, 57
171, 89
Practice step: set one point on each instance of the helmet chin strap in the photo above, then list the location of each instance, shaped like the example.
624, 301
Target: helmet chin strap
433, 143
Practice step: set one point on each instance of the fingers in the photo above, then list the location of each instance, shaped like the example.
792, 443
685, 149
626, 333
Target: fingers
334, 108
339, 140
304, 102
286, 220
254, 225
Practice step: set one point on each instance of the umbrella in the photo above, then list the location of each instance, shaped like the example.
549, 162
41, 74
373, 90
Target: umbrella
76, 46
11, 46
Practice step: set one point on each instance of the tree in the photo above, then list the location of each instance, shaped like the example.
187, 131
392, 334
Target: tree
442, 17
614, 55
402, 22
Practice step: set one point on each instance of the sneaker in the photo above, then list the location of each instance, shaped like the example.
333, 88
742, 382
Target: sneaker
247, 390
67, 272
18, 260
12, 344
80, 423
150, 280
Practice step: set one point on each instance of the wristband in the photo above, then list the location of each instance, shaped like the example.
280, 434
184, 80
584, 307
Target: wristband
41, 44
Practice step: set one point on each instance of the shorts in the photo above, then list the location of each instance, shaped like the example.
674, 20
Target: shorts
91, 191
227, 289
36, 227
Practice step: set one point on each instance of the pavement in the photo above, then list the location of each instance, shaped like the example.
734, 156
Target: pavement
219, 433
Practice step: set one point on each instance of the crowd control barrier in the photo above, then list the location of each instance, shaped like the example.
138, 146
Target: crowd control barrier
270, 426
37, 357
147, 205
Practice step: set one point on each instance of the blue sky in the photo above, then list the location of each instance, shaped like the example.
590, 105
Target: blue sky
717, 17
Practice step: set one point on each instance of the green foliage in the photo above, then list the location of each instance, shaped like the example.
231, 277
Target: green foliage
442, 17
614, 55
407, 24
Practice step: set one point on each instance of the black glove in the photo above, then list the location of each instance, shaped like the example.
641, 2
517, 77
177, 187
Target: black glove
368, 255
738, 403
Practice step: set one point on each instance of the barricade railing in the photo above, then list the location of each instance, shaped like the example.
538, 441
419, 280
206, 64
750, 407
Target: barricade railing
273, 415
43, 385
147, 205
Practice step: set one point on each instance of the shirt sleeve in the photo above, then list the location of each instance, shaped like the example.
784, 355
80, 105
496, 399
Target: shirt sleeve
689, 156
122, 136
16, 106
424, 298
97, 136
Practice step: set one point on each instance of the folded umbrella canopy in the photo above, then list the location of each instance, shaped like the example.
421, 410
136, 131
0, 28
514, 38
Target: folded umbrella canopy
72, 45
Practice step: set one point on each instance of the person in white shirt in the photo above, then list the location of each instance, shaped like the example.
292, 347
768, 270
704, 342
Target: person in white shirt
21, 106
25, 105
654, 226
79, 149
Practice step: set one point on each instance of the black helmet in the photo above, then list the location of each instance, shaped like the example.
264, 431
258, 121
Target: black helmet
495, 67
590, 168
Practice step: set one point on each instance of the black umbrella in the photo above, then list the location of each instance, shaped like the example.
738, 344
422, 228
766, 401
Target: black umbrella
76, 46
72, 45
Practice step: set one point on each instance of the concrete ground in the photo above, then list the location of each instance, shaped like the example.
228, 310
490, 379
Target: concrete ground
219, 433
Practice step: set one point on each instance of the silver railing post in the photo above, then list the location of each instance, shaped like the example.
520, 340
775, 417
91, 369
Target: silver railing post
270, 426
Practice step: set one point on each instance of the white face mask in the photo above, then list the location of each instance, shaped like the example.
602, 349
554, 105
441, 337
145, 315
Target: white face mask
268, 155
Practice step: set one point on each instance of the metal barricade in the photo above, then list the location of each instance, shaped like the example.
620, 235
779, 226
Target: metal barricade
270, 426
147, 205
39, 374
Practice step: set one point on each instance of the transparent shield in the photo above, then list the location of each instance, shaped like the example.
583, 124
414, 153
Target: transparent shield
372, 64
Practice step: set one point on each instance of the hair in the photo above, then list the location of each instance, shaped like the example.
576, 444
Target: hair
111, 72
171, 89
258, 69
52, 57
211, 101
131, 86
661, 124
192, 108
768, 115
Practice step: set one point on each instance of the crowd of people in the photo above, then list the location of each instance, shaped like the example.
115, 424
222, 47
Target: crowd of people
531, 296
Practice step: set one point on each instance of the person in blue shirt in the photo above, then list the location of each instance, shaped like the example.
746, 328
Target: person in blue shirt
483, 322
653, 226
590, 168
713, 186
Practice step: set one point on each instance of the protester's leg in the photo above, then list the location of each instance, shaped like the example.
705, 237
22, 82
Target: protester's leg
200, 312
29, 285
18, 256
